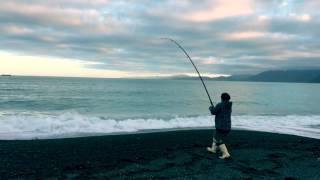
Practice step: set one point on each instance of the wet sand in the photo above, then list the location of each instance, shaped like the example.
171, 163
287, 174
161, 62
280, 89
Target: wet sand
174, 154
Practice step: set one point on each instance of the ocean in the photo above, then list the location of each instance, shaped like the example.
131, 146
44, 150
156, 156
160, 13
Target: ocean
59, 107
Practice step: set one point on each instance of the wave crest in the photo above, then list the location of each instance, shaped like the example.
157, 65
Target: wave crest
73, 124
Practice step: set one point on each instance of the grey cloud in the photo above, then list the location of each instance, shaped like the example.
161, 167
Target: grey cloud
131, 41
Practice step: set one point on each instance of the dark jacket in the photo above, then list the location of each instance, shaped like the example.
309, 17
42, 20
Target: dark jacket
222, 111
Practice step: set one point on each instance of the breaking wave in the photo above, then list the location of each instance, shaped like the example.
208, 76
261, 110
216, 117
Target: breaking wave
73, 124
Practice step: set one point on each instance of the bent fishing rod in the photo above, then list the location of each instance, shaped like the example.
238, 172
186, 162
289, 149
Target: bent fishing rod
195, 67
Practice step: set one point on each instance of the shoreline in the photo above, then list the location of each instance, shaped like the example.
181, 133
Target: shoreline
168, 154
146, 131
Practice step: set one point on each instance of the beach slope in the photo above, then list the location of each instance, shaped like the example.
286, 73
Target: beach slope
172, 154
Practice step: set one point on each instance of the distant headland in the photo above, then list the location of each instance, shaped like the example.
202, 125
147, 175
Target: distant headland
297, 76
5, 75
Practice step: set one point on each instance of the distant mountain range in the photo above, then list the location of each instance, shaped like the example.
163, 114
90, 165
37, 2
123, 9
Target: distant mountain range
302, 76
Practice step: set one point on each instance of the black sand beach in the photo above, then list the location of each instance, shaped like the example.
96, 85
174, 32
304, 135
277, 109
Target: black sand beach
173, 154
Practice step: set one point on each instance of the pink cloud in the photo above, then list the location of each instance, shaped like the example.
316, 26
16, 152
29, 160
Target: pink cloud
245, 35
207, 60
258, 34
221, 9
55, 15
15, 29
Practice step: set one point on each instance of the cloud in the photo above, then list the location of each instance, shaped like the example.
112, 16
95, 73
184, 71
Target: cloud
14, 29
223, 36
56, 15
207, 60
245, 35
221, 9
257, 35
302, 17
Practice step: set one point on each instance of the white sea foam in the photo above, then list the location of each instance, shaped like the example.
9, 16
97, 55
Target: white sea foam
71, 124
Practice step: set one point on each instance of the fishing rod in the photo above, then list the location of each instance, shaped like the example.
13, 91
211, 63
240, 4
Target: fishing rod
195, 67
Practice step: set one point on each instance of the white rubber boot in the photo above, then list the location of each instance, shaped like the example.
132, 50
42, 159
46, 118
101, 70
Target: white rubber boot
224, 150
213, 148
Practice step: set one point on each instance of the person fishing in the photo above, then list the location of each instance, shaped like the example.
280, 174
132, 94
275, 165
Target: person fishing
222, 112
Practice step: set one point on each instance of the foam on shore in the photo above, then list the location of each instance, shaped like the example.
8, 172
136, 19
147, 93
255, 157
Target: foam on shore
72, 124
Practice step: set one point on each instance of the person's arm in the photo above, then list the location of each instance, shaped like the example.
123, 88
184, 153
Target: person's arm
215, 110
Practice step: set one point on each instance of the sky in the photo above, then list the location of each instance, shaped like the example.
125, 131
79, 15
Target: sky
122, 38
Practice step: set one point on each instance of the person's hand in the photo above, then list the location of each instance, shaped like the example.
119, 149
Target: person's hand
211, 108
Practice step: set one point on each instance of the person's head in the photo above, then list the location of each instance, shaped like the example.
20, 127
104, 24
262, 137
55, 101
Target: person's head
225, 97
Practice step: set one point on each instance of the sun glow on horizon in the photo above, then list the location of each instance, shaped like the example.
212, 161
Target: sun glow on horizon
16, 64
26, 65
